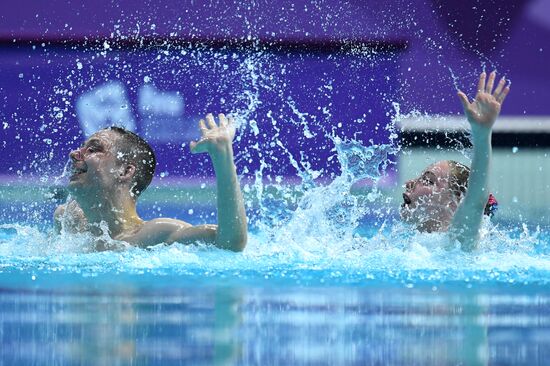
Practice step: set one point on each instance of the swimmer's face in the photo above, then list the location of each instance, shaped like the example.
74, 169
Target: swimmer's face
95, 166
428, 201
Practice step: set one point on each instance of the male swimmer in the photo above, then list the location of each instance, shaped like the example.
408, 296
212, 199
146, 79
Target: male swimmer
114, 166
449, 196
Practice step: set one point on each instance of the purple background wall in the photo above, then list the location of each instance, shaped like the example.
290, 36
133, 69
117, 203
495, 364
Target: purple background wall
512, 35
442, 39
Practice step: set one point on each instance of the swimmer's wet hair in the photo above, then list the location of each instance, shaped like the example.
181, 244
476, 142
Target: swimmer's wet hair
135, 150
458, 182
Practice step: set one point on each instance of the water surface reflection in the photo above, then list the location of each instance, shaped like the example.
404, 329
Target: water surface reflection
282, 325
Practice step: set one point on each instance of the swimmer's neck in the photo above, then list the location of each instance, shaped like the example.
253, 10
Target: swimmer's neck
433, 226
117, 211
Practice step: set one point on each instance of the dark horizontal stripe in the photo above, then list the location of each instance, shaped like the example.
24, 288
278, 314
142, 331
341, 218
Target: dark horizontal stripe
457, 139
434, 139
275, 45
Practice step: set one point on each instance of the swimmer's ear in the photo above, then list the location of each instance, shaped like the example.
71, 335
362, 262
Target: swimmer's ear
127, 172
456, 201
454, 204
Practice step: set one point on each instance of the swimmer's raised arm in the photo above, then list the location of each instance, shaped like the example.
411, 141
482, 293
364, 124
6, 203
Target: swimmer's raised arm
231, 231
482, 113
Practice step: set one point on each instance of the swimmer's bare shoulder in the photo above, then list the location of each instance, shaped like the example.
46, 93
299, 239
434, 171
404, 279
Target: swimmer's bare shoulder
168, 231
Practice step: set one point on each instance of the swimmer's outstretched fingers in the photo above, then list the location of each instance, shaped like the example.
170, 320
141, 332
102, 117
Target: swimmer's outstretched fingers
485, 108
214, 136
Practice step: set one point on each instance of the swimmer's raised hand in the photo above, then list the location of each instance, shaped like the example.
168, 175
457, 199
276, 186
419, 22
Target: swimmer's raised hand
484, 110
214, 138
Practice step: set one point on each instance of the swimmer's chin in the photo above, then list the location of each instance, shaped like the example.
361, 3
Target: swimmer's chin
74, 186
424, 225
431, 226
76, 176
73, 182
